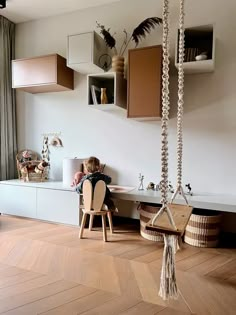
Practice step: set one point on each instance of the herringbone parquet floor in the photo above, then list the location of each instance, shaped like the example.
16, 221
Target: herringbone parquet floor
46, 269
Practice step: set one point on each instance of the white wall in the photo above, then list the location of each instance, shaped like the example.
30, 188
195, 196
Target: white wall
129, 147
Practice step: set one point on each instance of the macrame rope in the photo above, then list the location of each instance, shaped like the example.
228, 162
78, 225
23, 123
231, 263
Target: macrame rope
179, 188
165, 116
165, 105
168, 284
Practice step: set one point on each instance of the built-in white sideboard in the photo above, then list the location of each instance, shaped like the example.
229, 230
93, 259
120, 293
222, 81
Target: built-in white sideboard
52, 201
49, 201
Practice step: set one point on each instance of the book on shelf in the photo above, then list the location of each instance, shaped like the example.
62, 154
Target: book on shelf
96, 93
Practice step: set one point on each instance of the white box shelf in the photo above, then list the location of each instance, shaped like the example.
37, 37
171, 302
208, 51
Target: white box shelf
198, 39
116, 90
84, 51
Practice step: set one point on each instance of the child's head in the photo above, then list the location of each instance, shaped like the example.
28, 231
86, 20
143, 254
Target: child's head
92, 164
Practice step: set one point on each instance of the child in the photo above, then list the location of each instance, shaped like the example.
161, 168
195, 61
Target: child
93, 170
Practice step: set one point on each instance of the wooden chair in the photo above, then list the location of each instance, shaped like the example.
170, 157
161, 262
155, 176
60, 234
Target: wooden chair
93, 205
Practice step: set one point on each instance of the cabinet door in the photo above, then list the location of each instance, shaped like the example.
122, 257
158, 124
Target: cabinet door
80, 48
18, 200
34, 71
144, 82
58, 206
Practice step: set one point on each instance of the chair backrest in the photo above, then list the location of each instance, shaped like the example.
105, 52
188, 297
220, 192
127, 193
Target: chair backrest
93, 199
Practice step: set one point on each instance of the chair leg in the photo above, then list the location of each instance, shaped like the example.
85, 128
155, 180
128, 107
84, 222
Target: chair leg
83, 221
91, 222
104, 230
109, 215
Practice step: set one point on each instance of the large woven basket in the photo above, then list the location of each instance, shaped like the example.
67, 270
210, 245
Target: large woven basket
147, 212
203, 228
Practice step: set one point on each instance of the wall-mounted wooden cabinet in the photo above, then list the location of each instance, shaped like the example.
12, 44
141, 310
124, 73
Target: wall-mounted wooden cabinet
42, 74
144, 83
84, 51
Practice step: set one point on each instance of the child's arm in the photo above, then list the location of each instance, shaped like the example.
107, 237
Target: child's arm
79, 188
77, 178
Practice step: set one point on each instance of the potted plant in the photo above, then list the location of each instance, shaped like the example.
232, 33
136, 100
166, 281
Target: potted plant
137, 35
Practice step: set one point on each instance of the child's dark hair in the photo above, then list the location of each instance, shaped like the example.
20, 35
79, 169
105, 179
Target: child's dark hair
92, 164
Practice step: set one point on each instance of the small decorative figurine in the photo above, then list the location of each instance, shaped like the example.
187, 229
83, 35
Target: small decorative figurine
189, 192
104, 96
141, 178
151, 186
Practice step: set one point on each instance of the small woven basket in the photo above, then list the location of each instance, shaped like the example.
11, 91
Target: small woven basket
30, 175
203, 228
147, 212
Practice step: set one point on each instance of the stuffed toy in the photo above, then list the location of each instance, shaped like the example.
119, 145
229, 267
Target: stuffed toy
40, 167
77, 178
26, 156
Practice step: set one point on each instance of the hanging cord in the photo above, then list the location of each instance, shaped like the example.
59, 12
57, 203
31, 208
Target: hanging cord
179, 188
165, 117
168, 284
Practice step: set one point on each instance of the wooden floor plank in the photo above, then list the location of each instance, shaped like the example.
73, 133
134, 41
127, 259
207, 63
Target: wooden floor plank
81, 304
193, 260
26, 286
46, 268
224, 272
206, 295
52, 301
10, 271
24, 300
6, 281
143, 308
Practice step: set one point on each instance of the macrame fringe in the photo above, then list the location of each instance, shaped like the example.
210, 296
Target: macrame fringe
168, 284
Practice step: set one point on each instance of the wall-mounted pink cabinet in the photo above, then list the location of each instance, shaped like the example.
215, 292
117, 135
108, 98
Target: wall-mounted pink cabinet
42, 74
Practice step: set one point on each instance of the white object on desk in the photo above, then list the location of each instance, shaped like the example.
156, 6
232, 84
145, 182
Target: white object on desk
120, 189
70, 167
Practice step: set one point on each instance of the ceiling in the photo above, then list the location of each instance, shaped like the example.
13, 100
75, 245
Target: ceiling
26, 10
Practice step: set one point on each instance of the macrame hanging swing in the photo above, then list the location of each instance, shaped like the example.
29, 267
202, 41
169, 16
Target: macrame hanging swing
172, 218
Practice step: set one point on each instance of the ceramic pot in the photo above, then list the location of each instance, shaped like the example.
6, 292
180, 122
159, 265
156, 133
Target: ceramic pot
118, 64
201, 57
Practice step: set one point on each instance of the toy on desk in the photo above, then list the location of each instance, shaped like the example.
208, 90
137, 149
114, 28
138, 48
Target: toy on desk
40, 167
170, 187
141, 178
189, 192
151, 186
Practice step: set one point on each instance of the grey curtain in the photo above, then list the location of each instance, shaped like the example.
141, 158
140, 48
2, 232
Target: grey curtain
8, 146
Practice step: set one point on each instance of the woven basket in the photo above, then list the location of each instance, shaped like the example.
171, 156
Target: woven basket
147, 212
203, 228
30, 175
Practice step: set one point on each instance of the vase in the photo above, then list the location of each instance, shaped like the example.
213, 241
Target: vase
103, 96
118, 64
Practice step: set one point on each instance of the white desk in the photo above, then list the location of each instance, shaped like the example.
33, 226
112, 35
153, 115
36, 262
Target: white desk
226, 203
52, 201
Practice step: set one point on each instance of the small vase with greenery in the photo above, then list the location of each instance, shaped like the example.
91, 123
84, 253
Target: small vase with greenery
137, 35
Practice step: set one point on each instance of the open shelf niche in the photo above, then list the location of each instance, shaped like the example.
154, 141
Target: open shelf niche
198, 39
116, 90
